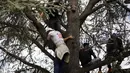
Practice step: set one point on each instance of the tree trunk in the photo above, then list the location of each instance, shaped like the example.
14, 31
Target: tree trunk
74, 30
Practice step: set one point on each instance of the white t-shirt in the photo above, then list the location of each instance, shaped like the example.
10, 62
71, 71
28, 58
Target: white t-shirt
56, 37
61, 49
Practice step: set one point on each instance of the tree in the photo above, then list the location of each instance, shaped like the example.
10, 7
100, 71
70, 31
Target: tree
20, 28
127, 1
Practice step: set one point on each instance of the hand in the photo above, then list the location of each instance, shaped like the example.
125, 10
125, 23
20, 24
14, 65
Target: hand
71, 37
41, 14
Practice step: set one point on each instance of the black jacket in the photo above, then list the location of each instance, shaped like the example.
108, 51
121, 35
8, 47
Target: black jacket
114, 45
85, 56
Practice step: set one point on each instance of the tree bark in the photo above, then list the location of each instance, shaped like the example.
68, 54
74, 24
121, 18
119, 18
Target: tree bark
73, 29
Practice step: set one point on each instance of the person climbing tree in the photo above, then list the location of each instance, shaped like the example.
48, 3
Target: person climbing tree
61, 52
114, 48
114, 45
85, 55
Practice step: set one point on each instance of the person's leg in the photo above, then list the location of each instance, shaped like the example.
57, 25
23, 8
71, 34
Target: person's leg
56, 65
100, 69
85, 65
62, 63
65, 58
109, 66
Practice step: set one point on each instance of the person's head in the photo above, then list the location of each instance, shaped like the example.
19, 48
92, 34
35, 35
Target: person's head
86, 45
113, 35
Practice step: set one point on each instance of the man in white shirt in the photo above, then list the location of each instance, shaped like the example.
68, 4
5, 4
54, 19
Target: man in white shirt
62, 52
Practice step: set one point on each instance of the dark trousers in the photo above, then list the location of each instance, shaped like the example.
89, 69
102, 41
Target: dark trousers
58, 65
85, 66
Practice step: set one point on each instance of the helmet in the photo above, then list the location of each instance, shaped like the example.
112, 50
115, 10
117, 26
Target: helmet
86, 44
48, 29
113, 35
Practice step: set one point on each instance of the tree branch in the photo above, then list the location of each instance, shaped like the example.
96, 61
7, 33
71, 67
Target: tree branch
94, 40
91, 9
123, 6
104, 62
42, 48
33, 40
25, 62
14, 26
36, 23
88, 10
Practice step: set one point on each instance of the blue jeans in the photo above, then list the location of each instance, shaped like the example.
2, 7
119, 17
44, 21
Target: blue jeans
58, 65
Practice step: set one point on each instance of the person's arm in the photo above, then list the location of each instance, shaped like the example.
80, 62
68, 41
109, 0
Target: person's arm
69, 37
48, 37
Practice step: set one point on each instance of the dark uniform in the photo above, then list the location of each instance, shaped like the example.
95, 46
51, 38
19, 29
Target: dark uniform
85, 55
114, 45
